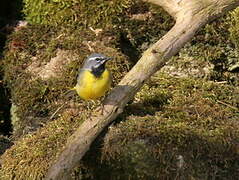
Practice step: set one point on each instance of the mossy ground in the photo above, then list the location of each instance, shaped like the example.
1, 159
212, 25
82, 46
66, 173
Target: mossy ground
188, 119
192, 120
212, 54
185, 128
39, 98
36, 45
84, 13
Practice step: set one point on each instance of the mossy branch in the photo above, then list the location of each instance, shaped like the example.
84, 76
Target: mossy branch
190, 16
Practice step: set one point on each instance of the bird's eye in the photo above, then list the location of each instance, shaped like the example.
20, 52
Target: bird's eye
98, 59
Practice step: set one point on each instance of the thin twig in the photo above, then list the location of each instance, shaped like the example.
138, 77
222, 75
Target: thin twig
228, 105
58, 109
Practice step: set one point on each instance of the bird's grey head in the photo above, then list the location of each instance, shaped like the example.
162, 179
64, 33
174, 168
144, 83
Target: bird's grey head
96, 63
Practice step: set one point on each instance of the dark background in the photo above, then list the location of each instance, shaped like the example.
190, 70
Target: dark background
10, 13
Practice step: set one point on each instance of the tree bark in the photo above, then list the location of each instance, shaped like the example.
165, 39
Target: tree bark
190, 16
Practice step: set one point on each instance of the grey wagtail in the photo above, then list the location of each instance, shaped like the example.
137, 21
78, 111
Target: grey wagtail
94, 80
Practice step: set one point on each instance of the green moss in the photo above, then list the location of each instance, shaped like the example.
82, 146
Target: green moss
192, 136
135, 24
213, 45
145, 24
171, 122
85, 13
234, 23
139, 160
233, 20
31, 156
31, 49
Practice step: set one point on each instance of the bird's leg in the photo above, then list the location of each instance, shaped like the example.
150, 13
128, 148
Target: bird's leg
102, 108
88, 108
102, 105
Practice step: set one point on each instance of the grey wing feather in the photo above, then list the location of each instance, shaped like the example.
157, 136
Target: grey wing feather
79, 78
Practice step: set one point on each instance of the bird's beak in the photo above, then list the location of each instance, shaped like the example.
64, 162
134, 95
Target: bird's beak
106, 59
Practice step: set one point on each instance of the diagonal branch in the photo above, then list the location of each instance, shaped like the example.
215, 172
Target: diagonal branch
190, 16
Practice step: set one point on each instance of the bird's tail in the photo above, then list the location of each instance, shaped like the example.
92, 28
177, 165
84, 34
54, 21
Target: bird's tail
70, 92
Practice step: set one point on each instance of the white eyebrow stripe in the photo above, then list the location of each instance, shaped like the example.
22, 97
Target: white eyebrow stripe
94, 58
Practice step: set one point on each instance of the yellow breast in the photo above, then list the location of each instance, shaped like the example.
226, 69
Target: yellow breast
91, 87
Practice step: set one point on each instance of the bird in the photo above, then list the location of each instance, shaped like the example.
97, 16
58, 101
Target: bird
94, 79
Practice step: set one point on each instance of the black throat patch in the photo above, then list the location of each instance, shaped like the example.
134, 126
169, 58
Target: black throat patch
98, 70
